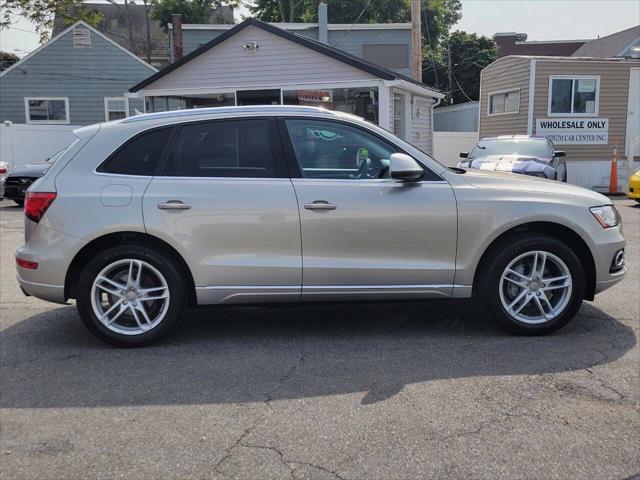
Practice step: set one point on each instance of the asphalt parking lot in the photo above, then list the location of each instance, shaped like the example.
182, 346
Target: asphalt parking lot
363, 391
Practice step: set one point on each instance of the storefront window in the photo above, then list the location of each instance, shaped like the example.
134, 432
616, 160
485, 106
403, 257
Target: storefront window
185, 102
358, 101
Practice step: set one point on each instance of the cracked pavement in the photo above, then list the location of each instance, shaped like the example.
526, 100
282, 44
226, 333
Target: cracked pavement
361, 391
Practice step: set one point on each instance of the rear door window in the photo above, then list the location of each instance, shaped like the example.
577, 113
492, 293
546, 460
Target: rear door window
223, 148
139, 156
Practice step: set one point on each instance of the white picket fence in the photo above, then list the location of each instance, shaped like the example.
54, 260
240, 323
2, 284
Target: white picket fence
22, 144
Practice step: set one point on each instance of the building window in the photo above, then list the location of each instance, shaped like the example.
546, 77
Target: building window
501, 103
81, 38
569, 95
116, 108
185, 102
47, 110
362, 101
393, 55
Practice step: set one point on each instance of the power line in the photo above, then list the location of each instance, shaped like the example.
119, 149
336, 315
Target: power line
460, 87
22, 30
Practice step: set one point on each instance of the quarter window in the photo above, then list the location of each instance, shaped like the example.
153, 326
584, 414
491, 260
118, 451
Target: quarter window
238, 148
140, 156
47, 110
504, 102
337, 151
573, 96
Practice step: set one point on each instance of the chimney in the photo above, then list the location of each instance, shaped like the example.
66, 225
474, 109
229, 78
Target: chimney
176, 30
323, 21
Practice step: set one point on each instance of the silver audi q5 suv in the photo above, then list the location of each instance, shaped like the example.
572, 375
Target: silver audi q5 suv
142, 217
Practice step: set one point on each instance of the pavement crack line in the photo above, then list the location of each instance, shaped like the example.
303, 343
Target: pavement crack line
268, 399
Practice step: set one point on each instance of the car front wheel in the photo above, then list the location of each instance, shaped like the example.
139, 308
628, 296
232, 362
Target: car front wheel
130, 295
533, 284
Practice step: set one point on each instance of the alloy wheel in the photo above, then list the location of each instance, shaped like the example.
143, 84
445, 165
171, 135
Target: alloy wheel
130, 297
535, 287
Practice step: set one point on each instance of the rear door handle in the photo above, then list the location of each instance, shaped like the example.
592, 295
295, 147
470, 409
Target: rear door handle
320, 205
174, 206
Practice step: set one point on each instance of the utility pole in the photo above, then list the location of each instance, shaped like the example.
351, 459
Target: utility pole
450, 72
416, 40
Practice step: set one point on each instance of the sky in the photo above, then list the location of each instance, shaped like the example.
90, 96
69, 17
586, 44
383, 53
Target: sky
540, 19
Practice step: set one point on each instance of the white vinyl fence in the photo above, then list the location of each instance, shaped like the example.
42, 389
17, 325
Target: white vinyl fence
448, 145
22, 144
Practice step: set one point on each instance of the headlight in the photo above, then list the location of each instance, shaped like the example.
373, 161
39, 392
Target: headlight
606, 215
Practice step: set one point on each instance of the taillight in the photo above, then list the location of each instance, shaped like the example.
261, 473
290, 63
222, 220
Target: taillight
21, 262
3, 170
37, 203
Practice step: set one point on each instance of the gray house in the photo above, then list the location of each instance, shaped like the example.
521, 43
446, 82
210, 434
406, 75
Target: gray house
256, 63
79, 77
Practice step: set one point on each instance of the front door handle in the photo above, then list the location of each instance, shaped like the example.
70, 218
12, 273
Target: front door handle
174, 206
320, 205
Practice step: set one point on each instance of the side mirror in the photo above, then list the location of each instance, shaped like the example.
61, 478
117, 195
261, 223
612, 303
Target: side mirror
405, 168
464, 154
559, 153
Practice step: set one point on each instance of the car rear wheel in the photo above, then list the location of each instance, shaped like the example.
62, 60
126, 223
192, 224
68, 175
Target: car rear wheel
130, 295
533, 284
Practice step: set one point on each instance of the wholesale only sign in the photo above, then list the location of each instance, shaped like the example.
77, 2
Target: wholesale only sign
574, 131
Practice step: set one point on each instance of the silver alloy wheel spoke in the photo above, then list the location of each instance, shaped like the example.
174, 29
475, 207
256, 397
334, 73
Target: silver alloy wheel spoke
118, 293
542, 294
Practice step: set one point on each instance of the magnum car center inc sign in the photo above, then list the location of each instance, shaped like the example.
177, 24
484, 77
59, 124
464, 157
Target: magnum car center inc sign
574, 131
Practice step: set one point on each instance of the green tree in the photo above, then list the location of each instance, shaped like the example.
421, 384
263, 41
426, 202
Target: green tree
192, 11
43, 12
438, 16
7, 59
470, 53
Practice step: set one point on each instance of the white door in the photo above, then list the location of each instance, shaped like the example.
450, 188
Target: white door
632, 146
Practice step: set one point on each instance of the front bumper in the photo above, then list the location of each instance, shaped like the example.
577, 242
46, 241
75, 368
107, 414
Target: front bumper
604, 255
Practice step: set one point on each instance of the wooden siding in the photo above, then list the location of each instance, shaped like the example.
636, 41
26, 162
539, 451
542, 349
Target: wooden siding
351, 42
85, 75
277, 62
614, 95
507, 73
421, 131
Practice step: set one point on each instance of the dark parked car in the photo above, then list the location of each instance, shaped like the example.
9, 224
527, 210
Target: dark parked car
524, 154
20, 178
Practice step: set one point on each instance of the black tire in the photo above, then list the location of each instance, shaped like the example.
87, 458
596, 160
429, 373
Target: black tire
20, 203
498, 260
163, 263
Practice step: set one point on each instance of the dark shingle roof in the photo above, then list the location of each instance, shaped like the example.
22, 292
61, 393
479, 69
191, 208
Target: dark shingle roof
609, 46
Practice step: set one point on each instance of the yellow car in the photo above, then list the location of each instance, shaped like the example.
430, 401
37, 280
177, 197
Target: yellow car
634, 186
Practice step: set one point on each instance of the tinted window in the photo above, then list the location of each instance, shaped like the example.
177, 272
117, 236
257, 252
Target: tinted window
237, 148
140, 156
335, 150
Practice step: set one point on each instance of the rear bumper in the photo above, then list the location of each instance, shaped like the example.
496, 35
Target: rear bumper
50, 293
52, 251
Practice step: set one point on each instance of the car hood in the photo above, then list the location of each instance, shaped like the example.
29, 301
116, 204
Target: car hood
506, 181
35, 170
506, 163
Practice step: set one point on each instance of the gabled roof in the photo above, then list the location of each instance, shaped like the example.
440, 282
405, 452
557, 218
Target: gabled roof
609, 46
62, 34
317, 46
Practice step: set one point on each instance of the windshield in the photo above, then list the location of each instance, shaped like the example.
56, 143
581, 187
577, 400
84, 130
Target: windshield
529, 147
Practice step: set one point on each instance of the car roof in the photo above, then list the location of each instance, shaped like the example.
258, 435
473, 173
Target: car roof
214, 112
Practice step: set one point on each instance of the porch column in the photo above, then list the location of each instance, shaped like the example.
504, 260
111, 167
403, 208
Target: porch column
383, 106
